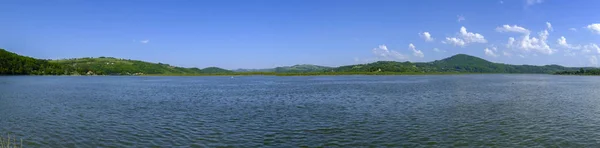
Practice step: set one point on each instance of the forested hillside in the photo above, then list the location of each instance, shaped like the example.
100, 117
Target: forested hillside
14, 64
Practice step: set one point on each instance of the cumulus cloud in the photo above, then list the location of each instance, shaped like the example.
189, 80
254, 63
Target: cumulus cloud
454, 41
416, 53
464, 37
533, 2
526, 42
144, 41
549, 26
471, 37
562, 41
426, 36
489, 52
438, 50
383, 53
460, 18
514, 28
594, 28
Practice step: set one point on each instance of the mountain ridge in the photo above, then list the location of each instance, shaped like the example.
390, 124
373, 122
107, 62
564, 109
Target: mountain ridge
460, 63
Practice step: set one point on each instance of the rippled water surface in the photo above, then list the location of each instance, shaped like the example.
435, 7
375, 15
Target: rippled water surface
329, 111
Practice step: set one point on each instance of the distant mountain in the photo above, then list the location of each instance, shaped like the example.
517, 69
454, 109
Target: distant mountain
457, 63
255, 70
302, 68
215, 70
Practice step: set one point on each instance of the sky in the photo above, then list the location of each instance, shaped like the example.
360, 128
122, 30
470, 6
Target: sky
268, 33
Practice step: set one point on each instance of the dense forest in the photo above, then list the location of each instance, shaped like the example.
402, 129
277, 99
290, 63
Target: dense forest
14, 64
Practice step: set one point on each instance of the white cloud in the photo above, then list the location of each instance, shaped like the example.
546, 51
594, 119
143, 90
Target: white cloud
454, 41
549, 26
573, 29
522, 56
416, 53
426, 36
465, 37
438, 50
593, 60
527, 43
514, 28
594, 28
471, 37
511, 42
383, 53
489, 52
562, 41
591, 47
533, 2
460, 18
144, 41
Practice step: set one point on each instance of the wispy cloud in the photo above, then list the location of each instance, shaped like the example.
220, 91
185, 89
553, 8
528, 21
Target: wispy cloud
533, 2
382, 52
490, 53
549, 26
416, 53
573, 29
513, 28
144, 41
460, 18
438, 50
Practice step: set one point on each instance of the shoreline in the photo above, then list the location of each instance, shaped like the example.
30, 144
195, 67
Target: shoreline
308, 74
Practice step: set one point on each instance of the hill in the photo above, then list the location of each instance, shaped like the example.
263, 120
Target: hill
14, 64
460, 63
115, 66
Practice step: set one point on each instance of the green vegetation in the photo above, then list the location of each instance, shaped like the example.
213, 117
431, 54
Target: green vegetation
13, 64
10, 142
580, 72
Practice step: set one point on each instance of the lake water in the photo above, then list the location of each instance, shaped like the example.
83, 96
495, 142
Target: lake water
328, 111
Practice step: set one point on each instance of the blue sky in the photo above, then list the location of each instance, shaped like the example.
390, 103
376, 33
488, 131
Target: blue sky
268, 33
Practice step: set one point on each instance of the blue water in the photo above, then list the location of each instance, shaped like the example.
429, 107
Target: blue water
328, 111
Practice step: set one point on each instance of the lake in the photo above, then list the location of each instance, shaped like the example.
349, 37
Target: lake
311, 111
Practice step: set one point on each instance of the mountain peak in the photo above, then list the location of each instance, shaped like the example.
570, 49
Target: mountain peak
463, 59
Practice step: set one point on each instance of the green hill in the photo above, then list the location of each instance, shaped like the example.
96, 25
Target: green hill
380, 66
460, 63
115, 66
14, 64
